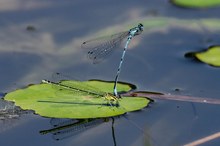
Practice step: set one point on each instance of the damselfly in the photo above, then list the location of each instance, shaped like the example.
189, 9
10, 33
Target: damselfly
101, 47
81, 88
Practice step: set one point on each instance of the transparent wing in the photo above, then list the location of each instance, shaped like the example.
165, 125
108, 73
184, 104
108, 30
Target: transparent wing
69, 86
81, 88
101, 47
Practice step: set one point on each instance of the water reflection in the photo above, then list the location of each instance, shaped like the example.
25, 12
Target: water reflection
65, 128
15, 5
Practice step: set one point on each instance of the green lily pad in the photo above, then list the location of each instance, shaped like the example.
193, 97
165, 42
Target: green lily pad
210, 56
53, 100
196, 3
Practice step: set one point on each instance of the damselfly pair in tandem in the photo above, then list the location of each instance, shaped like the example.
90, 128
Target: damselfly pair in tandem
98, 50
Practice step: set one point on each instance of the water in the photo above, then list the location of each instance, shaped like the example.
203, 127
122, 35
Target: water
155, 62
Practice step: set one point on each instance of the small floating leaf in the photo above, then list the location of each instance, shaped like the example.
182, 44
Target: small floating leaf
44, 100
210, 56
196, 3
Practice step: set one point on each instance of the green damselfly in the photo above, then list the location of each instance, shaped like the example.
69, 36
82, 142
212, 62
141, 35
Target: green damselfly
80, 88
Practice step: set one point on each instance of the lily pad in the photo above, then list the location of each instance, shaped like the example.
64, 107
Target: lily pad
196, 3
210, 56
53, 100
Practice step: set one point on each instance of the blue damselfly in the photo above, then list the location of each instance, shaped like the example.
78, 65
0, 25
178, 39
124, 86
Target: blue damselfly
101, 47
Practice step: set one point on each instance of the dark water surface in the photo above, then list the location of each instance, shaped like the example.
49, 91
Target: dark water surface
41, 37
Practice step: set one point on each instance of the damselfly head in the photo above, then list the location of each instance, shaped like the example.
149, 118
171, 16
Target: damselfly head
136, 30
141, 27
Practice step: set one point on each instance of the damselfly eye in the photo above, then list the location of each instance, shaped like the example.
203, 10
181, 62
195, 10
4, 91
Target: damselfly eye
90, 52
141, 25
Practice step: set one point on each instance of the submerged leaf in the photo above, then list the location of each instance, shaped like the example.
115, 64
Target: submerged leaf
44, 100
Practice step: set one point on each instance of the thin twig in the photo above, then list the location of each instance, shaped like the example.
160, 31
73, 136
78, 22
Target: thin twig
204, 140
173, 97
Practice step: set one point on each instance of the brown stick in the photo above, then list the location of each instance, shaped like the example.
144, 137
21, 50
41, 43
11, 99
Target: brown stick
173, 97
